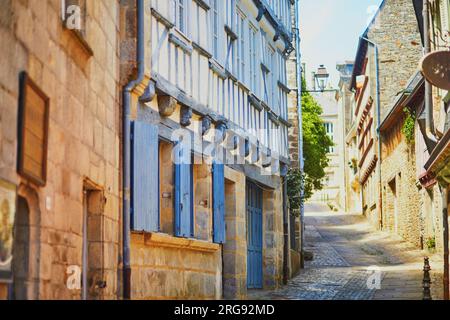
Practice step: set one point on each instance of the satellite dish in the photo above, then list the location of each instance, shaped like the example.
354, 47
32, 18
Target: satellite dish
435, 67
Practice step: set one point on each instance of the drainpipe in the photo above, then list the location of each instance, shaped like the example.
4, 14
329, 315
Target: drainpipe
300, 122
444, 191
127, 150
377, 75
286, 233
430, 131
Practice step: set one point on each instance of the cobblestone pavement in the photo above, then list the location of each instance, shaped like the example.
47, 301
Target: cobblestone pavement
345, 249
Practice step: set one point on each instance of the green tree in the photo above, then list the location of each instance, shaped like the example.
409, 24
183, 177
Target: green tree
316, 144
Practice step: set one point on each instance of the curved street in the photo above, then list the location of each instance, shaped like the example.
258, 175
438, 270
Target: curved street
348, 257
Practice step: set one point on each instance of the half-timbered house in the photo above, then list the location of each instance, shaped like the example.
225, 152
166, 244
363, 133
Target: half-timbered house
205, 148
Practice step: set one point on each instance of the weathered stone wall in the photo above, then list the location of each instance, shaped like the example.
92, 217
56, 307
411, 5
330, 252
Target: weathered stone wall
431, 216
273, 238
235, 248
83, 134
165, 267
400, 165
399, 46
203, 202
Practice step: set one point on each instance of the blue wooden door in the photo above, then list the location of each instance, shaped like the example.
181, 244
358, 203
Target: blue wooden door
184, 226
254, 236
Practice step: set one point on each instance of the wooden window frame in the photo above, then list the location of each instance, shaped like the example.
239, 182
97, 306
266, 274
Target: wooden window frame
27, 84
181, 21
215, 23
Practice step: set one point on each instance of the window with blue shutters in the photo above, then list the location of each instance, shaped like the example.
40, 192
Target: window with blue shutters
219, 203
145, 175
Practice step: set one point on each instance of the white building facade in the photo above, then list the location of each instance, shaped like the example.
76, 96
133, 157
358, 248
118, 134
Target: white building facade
332, 184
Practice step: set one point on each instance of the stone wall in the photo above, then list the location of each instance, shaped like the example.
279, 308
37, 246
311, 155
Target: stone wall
399, 169
272, 238
235, 248
431, 216
83, 135
165, 267
399, 47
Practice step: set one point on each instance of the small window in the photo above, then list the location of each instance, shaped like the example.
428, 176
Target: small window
215, 27
180, 14
329, 128
240, 47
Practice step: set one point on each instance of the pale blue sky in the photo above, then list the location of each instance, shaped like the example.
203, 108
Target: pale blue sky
330, 30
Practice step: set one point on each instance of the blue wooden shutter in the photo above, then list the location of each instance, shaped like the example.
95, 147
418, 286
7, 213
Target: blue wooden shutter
219, 202
183, 193
145, 177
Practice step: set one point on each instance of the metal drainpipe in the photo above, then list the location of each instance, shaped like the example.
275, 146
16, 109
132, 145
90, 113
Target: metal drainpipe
430, 130
286, 232
127, 149
300, 122
444, 191
377, 76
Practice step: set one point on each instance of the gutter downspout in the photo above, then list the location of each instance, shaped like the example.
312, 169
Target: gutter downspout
300, 122
286, 233
444, 191
430, 131
127, 150
377, 75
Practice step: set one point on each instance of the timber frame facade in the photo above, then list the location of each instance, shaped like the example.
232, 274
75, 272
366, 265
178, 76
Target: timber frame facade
214, 84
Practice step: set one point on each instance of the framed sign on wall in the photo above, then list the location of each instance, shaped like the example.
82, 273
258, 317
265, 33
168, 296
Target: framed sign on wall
33, 131
7, 214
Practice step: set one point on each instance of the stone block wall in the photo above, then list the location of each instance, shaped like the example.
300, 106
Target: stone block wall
400, 165
272, 238
203, 202
235, 248
399, 47
165, 267
83, 133
431, 216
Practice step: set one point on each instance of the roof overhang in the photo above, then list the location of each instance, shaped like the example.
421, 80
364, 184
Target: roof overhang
411, 98
418, 9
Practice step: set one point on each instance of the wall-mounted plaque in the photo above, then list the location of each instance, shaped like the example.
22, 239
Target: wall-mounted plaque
33, 131
7, 212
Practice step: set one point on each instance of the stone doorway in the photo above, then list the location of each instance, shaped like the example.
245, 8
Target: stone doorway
26, 246
93, 252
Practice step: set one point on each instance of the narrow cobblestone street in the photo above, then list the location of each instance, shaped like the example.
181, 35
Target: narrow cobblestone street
345, 247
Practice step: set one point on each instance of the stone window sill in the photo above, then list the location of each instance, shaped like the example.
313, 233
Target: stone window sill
167, 241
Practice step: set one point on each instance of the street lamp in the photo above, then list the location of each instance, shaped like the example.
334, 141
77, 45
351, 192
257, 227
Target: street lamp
321, 77
320, 80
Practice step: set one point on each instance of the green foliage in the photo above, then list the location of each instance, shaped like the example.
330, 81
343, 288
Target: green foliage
431, 243
294, 186
316, 144
408, 128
